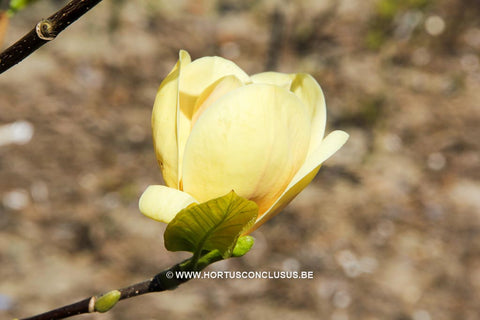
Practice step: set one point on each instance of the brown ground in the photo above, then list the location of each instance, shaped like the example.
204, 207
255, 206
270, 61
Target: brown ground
390, 226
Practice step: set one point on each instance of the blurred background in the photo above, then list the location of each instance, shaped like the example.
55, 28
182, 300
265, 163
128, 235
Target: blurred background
390, 226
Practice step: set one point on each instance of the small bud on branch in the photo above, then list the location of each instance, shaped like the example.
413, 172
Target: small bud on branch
46, 30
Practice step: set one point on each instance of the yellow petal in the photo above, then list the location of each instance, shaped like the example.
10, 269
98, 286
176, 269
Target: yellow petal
163, 203
283, 80
252, 140
194, 79
204, 71
305, 175
215, 91
309, 91
164, 122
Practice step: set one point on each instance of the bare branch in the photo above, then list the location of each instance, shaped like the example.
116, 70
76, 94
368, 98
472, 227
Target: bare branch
165, 280
45, 31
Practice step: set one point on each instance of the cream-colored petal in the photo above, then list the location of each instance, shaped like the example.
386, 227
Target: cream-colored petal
309, 91
163, 203
204, 71
164, 122
252, 140
214, 92
194, 79
283, 80
331, 144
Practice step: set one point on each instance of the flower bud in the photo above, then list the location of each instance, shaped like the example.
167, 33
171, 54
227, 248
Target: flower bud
215, 129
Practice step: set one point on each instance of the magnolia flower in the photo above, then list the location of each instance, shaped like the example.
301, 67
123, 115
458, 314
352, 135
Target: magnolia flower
216, 129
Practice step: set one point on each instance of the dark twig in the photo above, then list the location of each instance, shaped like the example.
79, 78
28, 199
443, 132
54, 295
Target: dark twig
88, 305
44, 31
64, 312
165, 280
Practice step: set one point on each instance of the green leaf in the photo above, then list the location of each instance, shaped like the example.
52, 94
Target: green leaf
212, 225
